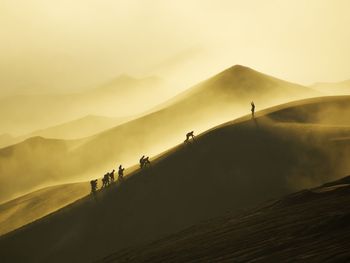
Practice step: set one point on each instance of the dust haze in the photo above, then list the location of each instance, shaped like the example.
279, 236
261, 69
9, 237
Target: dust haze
66, 46
86, 86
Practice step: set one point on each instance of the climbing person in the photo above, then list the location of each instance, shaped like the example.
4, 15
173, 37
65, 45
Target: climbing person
93, 184
121, 173
142, 161
189, 135
253, 109
111, 176
105, 180
146, 161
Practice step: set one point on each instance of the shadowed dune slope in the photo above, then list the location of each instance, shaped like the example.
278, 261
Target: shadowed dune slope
308, 226
30, 207
232, 167
217, 100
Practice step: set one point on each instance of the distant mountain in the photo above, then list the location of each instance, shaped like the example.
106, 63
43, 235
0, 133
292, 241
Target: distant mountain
120, 97
221, 98
76, 129
338, 88
79, 128
232, 168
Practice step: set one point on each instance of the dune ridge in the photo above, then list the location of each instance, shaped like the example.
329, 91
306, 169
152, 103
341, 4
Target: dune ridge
219, 99
232, 167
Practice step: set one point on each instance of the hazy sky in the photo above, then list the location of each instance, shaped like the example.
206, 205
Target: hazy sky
51, 45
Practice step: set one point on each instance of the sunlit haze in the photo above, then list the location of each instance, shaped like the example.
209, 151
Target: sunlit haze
60, 46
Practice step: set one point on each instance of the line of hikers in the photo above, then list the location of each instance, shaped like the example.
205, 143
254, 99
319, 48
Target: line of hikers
108, 178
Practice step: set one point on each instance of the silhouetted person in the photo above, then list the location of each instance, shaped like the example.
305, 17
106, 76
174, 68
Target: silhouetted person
121, 173
253, 108
93, 184
142, 161
105, 180
189, 136
146, 161
111, 176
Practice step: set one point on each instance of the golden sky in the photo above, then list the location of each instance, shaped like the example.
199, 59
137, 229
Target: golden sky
55, 46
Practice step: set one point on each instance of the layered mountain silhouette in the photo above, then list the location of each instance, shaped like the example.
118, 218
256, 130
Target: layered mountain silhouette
121, 97
76, 129
232, 167
216, 100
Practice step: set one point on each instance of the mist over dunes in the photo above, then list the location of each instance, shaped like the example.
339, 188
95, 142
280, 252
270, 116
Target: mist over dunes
121, 97
216, 100
76, 129
30, 207
337, 88
132, 131
232, 167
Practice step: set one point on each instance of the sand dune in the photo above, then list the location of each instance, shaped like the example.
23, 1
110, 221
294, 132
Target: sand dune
214, 101
337, 88
30, 207
308, 226
233, 167
20, 115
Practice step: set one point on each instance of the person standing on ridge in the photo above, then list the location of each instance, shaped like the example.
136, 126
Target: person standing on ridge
253, 109
120, 173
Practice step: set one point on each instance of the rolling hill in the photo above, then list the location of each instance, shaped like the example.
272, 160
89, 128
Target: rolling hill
232, 167
308, 226
214, 101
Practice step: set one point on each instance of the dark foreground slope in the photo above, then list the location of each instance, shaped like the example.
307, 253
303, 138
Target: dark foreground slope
232, 167
308, 226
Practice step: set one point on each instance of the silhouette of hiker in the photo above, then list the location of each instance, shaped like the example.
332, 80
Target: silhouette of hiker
253, 108
121, 173
93, 184
111, 175
189, 135
105, 180
146, 161
142, 163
